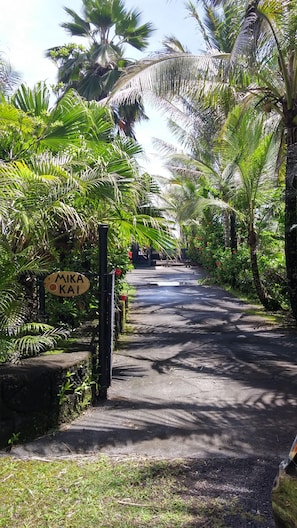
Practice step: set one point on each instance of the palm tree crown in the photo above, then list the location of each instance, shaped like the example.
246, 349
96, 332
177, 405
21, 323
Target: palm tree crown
108, 27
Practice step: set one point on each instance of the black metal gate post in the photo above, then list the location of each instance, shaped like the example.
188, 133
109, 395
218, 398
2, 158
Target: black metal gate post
110, 326
103, 381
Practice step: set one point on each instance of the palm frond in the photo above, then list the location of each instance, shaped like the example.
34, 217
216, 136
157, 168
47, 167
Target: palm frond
244, 39
165, 75
68, 121
9, 78
173, 45
79, 27
30, 345
33, 101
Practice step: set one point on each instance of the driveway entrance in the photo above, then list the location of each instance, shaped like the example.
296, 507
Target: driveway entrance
197, 375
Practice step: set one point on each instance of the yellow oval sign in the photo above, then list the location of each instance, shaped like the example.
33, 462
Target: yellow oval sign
66, 283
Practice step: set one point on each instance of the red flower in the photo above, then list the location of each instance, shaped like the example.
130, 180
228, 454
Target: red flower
118, 272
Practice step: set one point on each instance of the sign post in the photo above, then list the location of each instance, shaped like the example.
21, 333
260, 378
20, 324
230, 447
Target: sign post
103, 357
72, 283
111, 318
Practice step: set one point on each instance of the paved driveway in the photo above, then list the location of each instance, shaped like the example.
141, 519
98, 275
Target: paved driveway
196, 376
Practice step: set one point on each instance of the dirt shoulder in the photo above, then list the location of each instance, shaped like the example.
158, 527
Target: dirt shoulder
229, 492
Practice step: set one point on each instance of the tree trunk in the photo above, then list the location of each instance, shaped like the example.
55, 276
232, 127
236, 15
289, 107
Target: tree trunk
226, 224
233, 232
265, 299
291, 219
233, 247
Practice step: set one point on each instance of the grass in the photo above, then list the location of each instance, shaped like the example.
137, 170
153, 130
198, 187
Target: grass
53, 352
106, 493
79, 493
284, 498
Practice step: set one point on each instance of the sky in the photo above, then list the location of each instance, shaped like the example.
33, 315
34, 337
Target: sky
29, 27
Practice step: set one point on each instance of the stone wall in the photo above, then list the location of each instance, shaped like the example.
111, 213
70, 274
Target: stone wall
41, 393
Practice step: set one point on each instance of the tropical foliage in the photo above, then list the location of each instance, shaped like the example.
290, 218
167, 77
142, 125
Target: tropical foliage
63, 171
249, 60
107, 28
230, 202
65, 168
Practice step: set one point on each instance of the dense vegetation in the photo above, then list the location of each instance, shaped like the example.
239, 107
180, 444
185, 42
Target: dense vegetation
64, 171
69, 165
233, 112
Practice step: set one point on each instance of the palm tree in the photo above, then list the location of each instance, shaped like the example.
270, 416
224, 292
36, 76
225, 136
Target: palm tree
93, 70
174, 71
108, 28
252, 151
236, 173
220, 22
50, 211
73, 144
267, 37
29, 125
263, 66
267, 40
23, 256
19, 336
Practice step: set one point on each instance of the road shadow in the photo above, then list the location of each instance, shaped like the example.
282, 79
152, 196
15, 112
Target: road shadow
198, 375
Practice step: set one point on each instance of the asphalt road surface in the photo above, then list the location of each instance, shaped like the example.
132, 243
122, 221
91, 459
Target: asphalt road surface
197, 375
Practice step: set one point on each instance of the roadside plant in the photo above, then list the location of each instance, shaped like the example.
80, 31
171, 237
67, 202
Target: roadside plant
63, 172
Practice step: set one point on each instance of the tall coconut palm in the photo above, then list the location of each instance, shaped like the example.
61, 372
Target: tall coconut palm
219, 22
266, 46
175, 71
264, 66
238, 178
268, 41
252, 149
